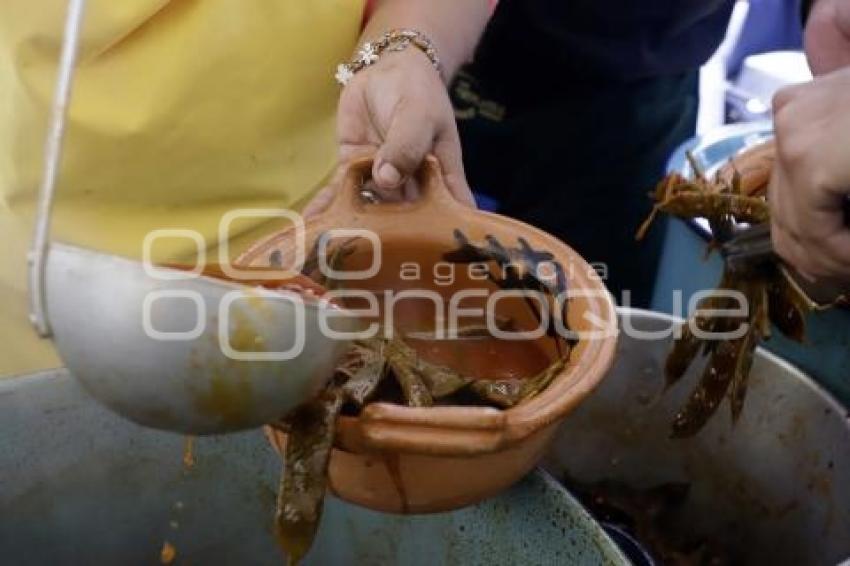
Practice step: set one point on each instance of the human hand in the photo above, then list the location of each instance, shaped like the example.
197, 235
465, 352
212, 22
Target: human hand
811, 177
398, 109
827, 36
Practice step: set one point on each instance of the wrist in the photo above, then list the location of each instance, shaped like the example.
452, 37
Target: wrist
393, 41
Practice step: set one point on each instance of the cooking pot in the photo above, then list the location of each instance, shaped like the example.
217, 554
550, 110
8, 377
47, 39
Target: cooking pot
427, 459
771, 488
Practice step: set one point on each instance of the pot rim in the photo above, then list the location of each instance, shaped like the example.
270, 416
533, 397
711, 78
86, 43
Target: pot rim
785, 365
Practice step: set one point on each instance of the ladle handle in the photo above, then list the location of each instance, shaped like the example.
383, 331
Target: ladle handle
352, 197
37, 258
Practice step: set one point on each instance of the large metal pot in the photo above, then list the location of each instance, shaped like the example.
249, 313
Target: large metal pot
79, 485
773, 488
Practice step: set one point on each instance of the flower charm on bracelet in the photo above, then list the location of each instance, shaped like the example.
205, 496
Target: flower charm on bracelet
368, 54
343, 74
392, 41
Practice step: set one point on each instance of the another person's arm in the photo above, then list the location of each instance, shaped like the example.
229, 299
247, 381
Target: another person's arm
399, 108
827, 34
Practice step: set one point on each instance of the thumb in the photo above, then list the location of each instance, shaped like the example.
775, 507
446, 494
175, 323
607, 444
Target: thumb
409, 138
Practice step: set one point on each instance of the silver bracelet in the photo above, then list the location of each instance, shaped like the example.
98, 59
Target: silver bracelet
393, 40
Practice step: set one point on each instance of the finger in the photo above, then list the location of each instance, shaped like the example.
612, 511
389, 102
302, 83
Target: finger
823, 241
820, 266
448, 152
784, 96
785, 211
832, 256
409, 138
774, 195
782, 211
353, 124
790, 250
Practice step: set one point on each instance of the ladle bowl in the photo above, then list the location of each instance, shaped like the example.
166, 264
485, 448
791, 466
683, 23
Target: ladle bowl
184, 352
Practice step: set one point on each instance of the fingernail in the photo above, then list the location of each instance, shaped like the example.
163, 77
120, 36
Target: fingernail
388, 175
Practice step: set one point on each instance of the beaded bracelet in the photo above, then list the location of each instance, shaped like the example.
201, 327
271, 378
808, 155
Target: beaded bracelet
393, 40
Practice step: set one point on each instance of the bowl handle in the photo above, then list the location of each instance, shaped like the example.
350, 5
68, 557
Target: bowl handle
351, 198
461, 431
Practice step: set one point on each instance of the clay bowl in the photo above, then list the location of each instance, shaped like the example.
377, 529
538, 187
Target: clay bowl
395, 458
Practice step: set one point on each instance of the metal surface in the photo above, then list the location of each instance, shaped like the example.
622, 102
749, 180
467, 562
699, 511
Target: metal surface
80, 486
773, 488
52, 162
752, 245
95, 306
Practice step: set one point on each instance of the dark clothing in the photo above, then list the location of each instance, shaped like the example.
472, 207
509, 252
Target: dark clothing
561, 41
581, 166
570, 110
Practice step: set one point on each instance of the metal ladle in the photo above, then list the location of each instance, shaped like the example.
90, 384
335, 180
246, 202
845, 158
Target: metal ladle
120, 326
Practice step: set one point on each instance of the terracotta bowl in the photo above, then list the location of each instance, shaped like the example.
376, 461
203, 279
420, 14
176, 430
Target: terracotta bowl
395, 458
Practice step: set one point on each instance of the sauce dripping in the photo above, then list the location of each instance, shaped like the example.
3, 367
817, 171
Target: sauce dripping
189, 453
391, 462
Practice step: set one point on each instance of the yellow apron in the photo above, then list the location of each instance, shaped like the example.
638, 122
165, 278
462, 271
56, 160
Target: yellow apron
182, 110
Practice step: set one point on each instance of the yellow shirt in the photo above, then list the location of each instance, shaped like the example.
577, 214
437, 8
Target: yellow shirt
181, 111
